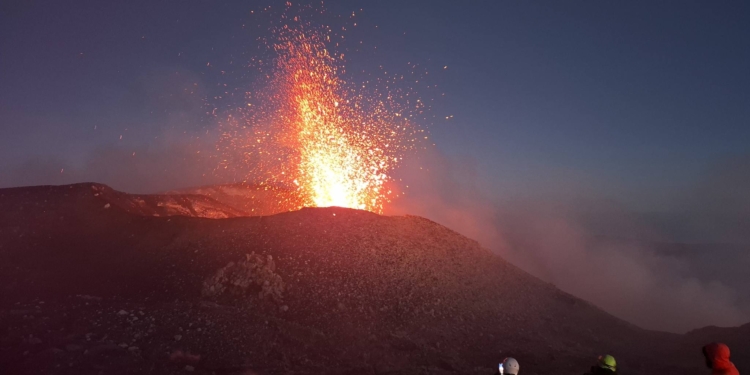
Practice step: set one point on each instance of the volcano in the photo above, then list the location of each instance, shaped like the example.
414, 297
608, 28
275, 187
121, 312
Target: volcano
95, 281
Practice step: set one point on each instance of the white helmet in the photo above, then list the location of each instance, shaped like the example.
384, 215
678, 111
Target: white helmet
509, 366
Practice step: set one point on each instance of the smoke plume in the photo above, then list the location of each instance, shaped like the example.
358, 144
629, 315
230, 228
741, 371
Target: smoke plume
588, 245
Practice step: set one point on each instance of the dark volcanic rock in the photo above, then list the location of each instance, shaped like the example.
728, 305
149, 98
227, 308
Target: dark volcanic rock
195, 205
255, 200
89, 289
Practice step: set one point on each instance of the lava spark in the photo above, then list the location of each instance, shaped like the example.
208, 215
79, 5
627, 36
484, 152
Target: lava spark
328, 142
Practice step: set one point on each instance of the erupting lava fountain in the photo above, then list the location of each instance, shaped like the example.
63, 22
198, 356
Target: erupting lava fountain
310, 132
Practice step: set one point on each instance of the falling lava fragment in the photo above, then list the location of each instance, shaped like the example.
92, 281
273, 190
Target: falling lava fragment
332, 143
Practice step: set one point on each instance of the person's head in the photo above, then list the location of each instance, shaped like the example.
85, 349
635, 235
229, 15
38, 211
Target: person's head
607, 363
510, 366
717, 355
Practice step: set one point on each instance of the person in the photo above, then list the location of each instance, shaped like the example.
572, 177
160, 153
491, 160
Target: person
717, 359
508, 366
605, 365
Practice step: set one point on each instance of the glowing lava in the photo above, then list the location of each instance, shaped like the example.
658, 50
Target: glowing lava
339, 163
331, 143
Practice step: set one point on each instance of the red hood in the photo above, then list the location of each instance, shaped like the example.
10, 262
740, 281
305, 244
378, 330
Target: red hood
718, 354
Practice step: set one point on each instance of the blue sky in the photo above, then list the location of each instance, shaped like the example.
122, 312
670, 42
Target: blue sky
638, 99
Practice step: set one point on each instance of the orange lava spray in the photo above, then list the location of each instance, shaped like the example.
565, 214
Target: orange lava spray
308, 131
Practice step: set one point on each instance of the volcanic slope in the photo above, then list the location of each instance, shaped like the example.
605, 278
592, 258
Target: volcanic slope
256, 200
168, 204
87, 287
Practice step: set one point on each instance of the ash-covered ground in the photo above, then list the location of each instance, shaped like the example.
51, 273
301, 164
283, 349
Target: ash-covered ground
94, 281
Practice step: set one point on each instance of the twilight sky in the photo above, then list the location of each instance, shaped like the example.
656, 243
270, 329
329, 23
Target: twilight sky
641, 102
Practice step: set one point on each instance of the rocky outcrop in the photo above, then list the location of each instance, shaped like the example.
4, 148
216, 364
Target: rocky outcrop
241, 278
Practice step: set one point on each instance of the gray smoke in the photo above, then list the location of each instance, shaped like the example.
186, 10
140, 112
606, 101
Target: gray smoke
144, 169
633, 265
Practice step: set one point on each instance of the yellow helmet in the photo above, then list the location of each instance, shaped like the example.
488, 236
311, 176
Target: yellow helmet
607, 361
